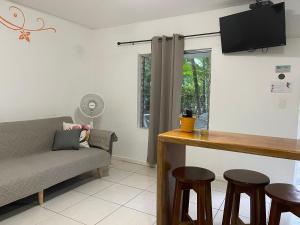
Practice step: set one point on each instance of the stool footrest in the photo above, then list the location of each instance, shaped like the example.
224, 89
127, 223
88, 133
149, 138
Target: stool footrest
240, 222
193, 222
185, 223
190, 220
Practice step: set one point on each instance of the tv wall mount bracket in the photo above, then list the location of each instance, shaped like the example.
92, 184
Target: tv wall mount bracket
260, 3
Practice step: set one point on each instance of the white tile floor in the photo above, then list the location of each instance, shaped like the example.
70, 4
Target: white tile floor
126, 196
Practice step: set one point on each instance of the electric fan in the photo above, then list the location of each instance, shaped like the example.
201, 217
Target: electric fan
92, 106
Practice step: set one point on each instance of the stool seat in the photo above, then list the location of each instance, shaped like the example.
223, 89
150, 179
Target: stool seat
193, 175
284, 193
285, 198
246, 177
199, 180
247, 182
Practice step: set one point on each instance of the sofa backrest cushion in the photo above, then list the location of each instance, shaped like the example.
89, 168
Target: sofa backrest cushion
18, 139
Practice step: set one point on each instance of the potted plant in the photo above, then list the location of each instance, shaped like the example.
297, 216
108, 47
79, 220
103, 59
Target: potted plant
187, 121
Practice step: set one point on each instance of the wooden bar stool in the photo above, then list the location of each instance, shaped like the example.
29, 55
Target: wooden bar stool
251, 183
197, 179
285, 198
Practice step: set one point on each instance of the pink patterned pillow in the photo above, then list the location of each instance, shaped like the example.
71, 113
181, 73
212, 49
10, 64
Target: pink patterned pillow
84, 135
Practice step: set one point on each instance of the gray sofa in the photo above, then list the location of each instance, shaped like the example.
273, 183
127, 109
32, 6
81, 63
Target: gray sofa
28, 166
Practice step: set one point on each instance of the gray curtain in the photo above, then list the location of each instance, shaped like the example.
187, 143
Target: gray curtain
166, 79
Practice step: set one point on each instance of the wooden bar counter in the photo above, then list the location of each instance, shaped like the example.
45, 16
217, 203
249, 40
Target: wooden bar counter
172, 154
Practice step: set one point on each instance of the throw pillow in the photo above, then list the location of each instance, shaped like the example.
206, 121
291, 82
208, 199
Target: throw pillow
84, 135
66, 140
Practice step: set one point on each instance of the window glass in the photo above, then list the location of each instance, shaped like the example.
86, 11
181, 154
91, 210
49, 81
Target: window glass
195, 86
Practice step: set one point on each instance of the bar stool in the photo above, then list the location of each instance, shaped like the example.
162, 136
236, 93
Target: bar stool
285, 198
251, 183
199, 180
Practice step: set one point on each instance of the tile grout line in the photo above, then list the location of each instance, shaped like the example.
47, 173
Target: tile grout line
131, 171
141, 191
113, 183
215, 216
119, 205
140, 211
129, 185
59, 213
89, 196
145, 190
124, 206
86, 197
93, 195
108, 215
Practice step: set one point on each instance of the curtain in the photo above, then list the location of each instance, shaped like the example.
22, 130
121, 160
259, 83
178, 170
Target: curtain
165, 97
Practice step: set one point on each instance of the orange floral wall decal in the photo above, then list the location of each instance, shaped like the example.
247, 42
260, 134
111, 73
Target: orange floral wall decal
20, 25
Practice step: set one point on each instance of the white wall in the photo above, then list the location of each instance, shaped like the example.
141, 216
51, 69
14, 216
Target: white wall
240, 91
298, 135
46, 77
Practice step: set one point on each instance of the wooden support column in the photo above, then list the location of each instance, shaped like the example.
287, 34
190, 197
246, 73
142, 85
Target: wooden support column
169, 157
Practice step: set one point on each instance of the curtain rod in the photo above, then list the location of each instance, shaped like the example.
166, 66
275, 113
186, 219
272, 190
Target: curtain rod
149, 40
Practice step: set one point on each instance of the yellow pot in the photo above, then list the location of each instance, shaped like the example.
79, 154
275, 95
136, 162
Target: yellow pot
187, 124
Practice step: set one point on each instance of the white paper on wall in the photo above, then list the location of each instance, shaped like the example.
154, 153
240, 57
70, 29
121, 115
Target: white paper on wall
281, 87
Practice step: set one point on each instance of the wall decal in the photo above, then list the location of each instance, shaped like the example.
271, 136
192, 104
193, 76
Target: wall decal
20, 25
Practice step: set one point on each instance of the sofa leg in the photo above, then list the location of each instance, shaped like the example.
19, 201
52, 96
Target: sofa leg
99, 173
41, 197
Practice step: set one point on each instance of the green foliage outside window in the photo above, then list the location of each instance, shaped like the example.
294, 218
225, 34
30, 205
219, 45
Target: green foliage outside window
195, 87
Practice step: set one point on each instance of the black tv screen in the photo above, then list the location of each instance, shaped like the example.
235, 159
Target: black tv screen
262, 27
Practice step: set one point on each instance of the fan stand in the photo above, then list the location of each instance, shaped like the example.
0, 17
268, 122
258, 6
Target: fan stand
92, 123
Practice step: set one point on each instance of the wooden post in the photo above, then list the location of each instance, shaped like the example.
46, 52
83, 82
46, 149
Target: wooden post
169, 157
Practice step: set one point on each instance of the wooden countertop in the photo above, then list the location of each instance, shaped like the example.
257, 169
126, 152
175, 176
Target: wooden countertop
235, 142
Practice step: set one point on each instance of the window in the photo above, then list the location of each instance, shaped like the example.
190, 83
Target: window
195, 86
145, 79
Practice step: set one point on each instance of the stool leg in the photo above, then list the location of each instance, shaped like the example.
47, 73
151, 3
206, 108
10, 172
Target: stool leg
228, 204
258, 207
275, 214
262, 206
208, 208
235, 209
176, 204
200, 205
185, 205
253, 205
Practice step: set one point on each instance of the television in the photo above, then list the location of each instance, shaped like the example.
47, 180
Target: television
262, 27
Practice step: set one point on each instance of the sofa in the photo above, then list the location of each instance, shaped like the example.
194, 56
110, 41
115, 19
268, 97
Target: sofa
29, 166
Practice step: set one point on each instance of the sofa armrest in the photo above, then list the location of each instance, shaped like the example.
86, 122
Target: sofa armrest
102, 139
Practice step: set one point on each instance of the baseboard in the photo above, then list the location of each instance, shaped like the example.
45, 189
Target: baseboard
129, 160
125, 159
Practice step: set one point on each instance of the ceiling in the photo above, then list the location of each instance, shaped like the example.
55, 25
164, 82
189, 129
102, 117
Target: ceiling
96, 14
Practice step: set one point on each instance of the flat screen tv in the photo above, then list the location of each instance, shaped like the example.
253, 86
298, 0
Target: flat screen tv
262, 27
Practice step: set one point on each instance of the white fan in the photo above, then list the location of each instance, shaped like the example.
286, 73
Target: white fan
92, 106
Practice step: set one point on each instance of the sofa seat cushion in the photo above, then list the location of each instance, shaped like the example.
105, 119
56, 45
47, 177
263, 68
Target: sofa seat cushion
20, 177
